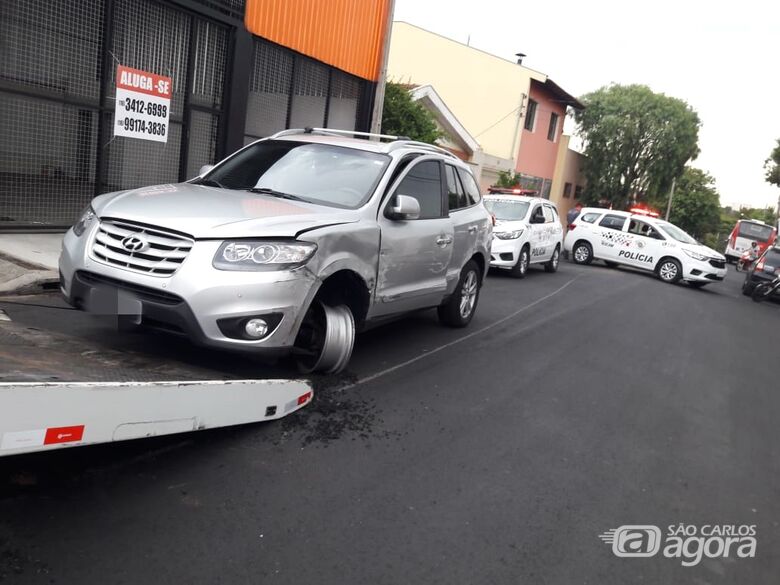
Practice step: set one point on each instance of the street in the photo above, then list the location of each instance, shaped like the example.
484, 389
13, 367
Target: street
574, 403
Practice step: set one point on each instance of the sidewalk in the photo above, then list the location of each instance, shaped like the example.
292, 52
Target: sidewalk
28, 262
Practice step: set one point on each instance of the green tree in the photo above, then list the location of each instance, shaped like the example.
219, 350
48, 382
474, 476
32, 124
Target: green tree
636, 143
508, 179
696, 204
403, 116
772, 166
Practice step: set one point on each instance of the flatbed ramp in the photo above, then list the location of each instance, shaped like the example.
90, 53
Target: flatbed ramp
41, 416
59, 390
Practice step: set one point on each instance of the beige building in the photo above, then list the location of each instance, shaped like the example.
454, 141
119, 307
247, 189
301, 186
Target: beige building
568, 180
487, 94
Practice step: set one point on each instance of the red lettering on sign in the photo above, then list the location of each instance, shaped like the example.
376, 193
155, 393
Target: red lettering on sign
143, 82
63, 434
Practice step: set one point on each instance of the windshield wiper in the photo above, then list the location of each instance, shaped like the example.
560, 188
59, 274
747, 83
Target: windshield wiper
275, 193
210, 182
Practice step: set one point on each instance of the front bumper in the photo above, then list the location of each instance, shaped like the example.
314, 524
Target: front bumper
704, 271
195, 300
504, 253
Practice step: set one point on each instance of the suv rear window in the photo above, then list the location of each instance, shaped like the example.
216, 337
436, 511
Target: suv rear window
589, 217
772, 257
472, 190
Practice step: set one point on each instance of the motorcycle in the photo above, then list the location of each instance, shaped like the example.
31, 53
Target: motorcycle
746, 260
765, 290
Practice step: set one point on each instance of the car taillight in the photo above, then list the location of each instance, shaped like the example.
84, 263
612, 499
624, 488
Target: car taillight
572, 226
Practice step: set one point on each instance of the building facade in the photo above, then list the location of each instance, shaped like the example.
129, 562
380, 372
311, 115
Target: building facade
238, 69
568, 181
514, 113
454, 136
542, 131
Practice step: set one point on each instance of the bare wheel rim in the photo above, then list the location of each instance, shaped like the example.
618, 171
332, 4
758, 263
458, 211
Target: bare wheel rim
581, 254
468, 294
331, 347
668, 271
555, 258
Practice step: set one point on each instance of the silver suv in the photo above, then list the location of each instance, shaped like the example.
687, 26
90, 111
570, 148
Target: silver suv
290, 245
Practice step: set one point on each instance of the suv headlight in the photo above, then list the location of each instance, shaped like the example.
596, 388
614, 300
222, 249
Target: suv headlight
262, 255
508, 235
87, 216
696, 255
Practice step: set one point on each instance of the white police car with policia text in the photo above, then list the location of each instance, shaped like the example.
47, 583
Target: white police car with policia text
527, 231
640, 240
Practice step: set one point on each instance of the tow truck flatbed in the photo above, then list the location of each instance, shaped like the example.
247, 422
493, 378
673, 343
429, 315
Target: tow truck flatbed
58, 390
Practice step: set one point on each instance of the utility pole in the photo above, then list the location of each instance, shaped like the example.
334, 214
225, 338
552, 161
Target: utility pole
379, 96
671, 194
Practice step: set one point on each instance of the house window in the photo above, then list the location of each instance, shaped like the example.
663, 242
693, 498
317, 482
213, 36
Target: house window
551, 131
578, 192
567, 190
530, 115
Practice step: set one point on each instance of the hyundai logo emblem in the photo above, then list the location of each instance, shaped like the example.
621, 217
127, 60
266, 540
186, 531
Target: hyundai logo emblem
135, 244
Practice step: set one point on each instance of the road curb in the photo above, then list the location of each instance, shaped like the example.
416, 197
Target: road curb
35, 282
35, 278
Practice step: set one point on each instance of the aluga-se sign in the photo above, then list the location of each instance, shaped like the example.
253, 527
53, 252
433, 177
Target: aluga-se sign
143, 104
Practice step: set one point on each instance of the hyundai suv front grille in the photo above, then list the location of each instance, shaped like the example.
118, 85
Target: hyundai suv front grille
140, 248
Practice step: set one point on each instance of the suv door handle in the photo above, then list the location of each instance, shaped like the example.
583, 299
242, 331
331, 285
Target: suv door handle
443, 241
472, 229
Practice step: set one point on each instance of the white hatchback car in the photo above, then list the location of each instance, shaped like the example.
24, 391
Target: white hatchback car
527, 231
642, 241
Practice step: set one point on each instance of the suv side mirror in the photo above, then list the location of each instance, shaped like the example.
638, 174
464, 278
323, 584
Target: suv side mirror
205, 169
406, 207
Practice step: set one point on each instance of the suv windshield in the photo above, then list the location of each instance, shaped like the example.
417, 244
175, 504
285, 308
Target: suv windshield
506, 210
317, 173
676, 233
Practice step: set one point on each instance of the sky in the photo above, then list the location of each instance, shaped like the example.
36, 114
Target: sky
722, 58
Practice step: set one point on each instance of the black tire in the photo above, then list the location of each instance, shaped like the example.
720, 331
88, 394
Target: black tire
552, 264
748, 286
582, 253
669, 270
520, 269
611, 264
456, 311
326, 339
761, 292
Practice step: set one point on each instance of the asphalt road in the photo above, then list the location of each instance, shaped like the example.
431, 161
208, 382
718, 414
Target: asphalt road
574, 403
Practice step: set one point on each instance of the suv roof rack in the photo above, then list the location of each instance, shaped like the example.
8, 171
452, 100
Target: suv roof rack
332, 132
397, 141
406, 143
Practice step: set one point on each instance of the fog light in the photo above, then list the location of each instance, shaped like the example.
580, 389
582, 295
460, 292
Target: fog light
256, 328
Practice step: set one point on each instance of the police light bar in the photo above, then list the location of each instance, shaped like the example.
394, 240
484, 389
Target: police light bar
642, 211
508, 191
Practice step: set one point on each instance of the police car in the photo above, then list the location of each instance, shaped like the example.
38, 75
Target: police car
641, 240
527, 231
